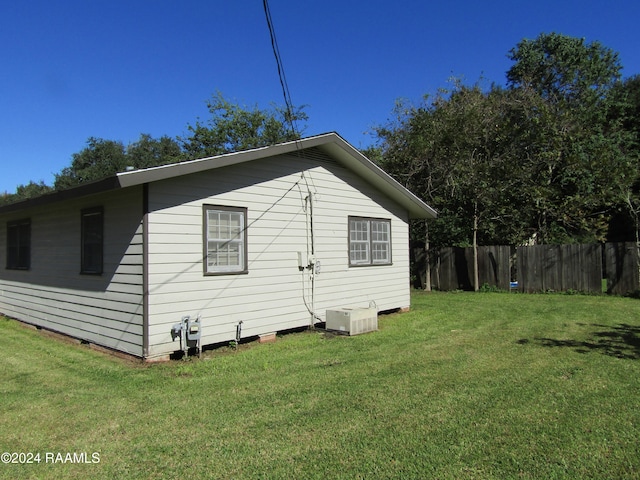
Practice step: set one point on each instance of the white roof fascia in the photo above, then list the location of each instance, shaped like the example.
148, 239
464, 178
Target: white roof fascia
365, 168
331, 143
153, 174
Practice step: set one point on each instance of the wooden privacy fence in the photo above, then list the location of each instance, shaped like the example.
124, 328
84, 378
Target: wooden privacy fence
560, 268
622, 268
537, 268
452, 267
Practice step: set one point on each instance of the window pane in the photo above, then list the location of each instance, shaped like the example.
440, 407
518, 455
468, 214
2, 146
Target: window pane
235, 225
359, 231
226, 237
224, 225
380, 241
358, 242
225, 254
359, 253
379, 231
369, 241
214, 224
380, 253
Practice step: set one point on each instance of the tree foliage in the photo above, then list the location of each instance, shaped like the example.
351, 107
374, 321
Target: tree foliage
627, 110
99, 159
151, 152
25, 192
451, 150
582, 153
564, 70
548, 159
232, 128
102, 158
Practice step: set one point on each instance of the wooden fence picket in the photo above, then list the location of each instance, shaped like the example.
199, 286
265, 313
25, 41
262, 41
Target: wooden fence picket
540, 268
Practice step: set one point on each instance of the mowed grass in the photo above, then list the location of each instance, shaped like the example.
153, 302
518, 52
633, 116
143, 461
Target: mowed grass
466, 385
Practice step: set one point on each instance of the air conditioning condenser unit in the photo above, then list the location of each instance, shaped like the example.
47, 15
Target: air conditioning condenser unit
352, 321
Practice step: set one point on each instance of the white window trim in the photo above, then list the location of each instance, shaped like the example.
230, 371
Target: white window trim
362, 241
237, 239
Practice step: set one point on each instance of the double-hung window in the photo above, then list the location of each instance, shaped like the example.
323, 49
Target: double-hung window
369, 241
92, 241
225, 240
19, 244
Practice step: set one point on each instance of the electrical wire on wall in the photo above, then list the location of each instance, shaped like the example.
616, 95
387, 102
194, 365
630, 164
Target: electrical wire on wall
313, 264
311, 267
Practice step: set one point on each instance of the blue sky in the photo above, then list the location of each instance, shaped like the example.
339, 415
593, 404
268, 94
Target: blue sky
74, 69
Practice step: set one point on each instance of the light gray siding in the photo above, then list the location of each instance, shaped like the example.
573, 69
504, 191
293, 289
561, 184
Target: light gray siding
295, 198
274, 294
104, 309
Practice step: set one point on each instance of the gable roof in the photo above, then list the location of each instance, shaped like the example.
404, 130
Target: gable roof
330, 143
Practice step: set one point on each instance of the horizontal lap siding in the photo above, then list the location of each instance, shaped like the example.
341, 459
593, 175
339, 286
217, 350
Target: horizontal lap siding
271, 296
341, 285
103, 309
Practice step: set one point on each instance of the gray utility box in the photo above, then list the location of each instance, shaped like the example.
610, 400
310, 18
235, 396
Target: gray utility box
352, 321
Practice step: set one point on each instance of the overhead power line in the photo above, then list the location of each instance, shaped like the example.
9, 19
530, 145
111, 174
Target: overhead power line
281, 74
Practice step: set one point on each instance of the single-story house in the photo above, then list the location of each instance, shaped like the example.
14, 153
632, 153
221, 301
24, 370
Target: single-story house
268, 239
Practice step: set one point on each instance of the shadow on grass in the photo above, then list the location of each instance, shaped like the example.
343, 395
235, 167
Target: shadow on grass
620, 341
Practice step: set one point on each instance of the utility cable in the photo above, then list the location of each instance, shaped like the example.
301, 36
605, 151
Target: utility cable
283, 80
294, 129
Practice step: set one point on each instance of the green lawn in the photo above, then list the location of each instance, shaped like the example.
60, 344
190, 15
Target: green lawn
466, 385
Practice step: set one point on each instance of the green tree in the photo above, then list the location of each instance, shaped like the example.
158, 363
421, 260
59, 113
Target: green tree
233, 128
456, 152
565, 70
626, 94
230, 128
150, 152
541, 159
577, 150
627, 109
99, 159
25, 192
102, 158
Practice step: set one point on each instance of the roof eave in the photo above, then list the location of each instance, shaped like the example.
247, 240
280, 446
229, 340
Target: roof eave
83, 190
342, 150
332, 143
153, 174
